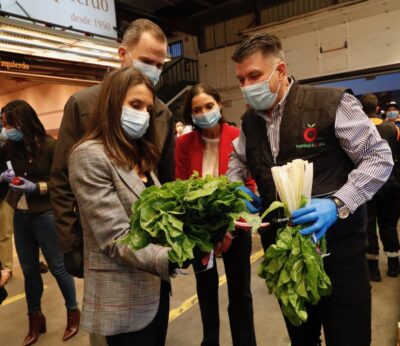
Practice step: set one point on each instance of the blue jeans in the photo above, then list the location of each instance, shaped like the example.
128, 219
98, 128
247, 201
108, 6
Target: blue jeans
31, 232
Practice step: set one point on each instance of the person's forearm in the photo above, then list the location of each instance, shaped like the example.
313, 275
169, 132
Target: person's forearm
237, 168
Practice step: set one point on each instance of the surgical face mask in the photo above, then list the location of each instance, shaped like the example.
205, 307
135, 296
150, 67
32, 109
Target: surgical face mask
259, 96
207, 120
392, 114
150, 71
14, 135
134, 122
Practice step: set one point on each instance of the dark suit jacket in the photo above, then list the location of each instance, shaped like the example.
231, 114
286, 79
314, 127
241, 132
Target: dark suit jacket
35, 170
73, 126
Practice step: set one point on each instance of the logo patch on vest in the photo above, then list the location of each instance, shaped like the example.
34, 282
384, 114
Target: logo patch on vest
310, 135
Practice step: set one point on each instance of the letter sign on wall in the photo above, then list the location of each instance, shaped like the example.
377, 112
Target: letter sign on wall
91, 16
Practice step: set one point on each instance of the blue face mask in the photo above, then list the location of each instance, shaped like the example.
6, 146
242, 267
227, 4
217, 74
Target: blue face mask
259, 96
14, 135
134, 122
207, 120
150, 71
392, 114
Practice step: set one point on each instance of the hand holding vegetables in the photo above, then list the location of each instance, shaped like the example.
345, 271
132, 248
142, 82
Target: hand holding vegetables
187, 214
253, 206
293, 268
323, 214
198, 256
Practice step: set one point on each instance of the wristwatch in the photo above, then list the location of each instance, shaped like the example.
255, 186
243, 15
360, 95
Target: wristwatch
343, 211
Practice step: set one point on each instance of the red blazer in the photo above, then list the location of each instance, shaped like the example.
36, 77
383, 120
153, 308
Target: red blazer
189, 153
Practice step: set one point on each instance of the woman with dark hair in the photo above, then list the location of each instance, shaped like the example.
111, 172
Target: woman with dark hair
126, 294
30, 151
206, 150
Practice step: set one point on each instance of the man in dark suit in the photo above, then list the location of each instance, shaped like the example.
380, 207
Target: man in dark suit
144, 46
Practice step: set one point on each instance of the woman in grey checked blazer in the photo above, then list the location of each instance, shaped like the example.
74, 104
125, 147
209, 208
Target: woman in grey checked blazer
126, 293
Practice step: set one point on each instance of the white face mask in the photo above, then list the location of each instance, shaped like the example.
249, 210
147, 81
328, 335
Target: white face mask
259, 96
134, 122
150, 71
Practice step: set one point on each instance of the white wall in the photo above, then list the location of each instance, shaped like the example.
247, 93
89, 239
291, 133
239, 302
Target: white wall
48, 100
371, 29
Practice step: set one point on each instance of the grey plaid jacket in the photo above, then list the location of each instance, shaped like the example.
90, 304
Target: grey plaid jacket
121, 286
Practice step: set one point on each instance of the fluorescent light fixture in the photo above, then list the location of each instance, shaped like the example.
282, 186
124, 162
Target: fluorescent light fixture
25, 38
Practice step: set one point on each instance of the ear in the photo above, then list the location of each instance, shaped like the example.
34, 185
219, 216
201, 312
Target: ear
122, 55
281, 68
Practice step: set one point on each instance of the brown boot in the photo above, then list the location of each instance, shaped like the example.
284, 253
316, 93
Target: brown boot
37, 325
73, 319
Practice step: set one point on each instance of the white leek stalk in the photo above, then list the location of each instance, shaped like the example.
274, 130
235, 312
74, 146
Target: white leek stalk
293, 181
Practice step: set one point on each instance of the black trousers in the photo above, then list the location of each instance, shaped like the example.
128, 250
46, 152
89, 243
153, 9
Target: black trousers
384, 209
240, 308
152, 335
345, 315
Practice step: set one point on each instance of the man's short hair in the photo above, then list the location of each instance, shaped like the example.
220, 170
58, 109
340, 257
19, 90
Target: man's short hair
135, 30
263, 42
369, 103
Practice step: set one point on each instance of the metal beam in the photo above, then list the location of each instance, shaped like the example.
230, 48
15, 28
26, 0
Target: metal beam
203, 3
130, 9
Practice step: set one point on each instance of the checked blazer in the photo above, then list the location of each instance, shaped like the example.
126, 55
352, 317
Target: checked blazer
121, 286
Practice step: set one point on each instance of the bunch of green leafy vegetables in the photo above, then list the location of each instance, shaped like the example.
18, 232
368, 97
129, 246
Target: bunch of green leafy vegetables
184, 214
294, 272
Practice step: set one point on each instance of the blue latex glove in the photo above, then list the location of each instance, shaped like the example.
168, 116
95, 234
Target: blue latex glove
255, 205
7, 175
27, 187
321, 212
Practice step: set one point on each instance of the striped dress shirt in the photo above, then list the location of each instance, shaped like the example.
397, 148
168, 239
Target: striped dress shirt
358, 137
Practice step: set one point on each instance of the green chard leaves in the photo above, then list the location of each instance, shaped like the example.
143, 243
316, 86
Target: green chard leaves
294, 272
186, 213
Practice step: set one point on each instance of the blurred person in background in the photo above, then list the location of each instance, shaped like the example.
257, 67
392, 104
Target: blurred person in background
384, 207
206, 150
392, 113
4, 277
6, 212
30, 151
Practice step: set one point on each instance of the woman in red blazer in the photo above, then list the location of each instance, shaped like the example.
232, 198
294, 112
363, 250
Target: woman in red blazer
206, 149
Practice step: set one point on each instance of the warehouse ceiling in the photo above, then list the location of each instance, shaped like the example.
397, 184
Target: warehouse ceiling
186, 15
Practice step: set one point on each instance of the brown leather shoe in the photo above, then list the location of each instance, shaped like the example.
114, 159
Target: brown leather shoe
37, 325
73, 319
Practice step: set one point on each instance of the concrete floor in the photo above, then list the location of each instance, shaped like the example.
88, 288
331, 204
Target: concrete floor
185, 329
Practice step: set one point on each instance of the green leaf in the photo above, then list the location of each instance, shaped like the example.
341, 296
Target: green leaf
274, 205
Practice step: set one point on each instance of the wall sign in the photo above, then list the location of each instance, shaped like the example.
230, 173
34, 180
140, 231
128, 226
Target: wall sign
91, 16
31, 66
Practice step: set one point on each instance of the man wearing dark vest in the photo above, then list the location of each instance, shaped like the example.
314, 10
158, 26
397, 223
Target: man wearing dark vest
144, 46
384, 207
325, 126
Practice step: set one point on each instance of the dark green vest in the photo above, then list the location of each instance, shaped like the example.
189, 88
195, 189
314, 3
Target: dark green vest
306, 132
